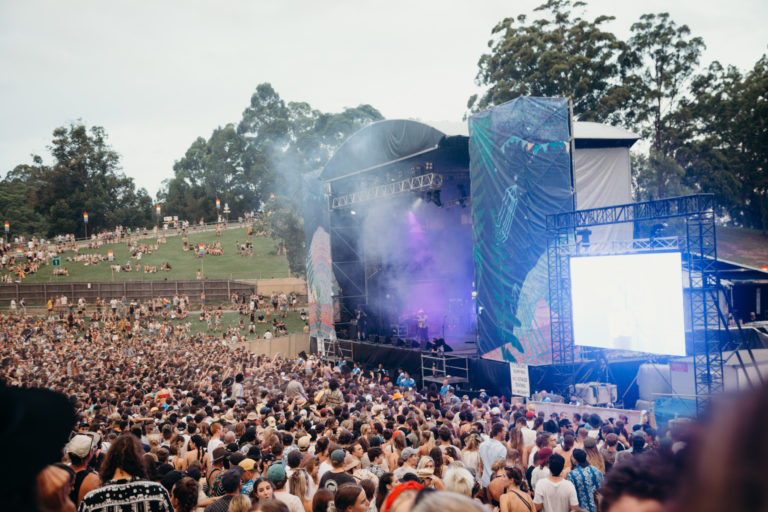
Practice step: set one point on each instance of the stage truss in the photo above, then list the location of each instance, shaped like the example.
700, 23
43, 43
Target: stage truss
698, 246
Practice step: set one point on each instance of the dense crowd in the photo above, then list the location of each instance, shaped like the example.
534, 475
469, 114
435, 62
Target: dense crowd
167, 420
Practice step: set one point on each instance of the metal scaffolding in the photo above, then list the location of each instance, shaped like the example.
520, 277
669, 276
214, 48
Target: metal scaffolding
422, 183
699, 255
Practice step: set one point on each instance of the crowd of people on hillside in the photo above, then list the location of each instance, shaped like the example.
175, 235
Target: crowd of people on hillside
162, 419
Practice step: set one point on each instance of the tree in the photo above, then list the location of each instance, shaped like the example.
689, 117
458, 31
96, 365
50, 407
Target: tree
657, 176
662, 57
728, 153
221, 167
274, 143
84, 177
558, 55
288, 228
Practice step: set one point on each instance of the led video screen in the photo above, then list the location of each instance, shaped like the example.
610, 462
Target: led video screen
629, 302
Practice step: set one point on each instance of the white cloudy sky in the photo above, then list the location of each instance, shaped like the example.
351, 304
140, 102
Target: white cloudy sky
157, 74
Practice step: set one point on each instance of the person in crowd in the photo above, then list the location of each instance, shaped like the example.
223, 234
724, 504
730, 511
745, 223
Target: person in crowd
554, 493
492, 450
124, 480
351, 498
230, 483
517, 498
586, 479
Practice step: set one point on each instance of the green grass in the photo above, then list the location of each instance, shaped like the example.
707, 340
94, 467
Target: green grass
230, 318
264, 264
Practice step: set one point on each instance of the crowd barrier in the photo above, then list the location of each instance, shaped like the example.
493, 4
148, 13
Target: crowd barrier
286, 346
604, 412
215, 290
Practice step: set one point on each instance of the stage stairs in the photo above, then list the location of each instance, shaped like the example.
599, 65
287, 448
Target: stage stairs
436, 367
332, 351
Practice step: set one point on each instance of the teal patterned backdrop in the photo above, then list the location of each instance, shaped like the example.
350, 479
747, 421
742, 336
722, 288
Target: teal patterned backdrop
520, 170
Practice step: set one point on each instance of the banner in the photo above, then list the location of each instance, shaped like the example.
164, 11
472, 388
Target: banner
521, 385
520, 171
320, 280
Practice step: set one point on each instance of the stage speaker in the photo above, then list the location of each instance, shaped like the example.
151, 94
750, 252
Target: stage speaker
400, 342
414, 344
372, 338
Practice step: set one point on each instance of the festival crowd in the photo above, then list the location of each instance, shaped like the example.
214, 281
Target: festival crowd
103, 419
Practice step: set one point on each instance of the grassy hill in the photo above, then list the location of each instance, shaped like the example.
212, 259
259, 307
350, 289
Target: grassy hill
264, 264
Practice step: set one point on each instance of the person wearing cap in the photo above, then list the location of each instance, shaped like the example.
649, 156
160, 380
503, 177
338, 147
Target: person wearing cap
124, 484
249, 471
276, 474
410, 459
80, 451
230, 482
337, 475
541, 470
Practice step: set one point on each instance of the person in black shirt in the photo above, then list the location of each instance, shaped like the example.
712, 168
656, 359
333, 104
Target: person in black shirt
336, 477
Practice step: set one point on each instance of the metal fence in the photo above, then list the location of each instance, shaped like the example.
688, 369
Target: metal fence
215, 290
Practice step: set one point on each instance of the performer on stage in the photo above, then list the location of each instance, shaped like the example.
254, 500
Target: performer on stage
361, 318
422, 333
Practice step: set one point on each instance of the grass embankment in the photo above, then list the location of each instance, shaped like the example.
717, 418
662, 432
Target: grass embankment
264, 263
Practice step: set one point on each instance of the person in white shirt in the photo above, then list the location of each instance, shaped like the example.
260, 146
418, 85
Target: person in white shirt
555, 494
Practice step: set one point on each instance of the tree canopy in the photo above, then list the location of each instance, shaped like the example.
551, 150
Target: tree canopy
705, 131
85, 176
256, 164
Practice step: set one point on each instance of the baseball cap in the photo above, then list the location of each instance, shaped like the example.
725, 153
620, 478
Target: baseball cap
409, 452
544, 453
79, 445
303, 443
530, 414
338, 455
496, 411
252, 416
247, 464
276, 473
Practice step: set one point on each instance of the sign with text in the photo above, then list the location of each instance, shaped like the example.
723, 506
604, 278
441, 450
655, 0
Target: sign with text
518, 374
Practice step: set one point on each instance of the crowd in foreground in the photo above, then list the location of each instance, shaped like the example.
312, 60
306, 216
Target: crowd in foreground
173, 421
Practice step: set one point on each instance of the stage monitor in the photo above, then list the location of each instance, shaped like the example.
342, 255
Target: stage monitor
629, 302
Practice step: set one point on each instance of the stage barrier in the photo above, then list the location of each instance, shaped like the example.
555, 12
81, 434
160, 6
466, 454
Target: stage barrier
604, 412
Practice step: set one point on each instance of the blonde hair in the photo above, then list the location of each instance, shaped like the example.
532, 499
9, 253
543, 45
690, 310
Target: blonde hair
298, 483
459, 480
240, 503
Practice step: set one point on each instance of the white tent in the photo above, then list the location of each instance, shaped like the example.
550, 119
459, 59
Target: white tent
602, 172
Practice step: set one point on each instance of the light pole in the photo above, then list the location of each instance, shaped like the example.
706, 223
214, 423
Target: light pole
158, 210
85, 221
7, 230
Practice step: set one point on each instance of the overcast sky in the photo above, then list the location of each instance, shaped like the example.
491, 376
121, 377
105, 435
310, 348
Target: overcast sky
157, 74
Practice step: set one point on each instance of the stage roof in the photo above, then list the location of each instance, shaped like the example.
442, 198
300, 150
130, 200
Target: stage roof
598, 135
381, 143
746, 250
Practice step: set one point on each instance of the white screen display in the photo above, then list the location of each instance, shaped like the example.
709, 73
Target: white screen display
629, 302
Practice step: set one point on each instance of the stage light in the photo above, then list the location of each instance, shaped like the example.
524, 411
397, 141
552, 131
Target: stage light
353, 212
584, 234
474, 294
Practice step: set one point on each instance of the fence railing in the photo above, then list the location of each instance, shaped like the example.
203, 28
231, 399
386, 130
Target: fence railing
215, 290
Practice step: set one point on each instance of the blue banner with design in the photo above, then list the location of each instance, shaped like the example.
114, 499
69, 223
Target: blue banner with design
520, 171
